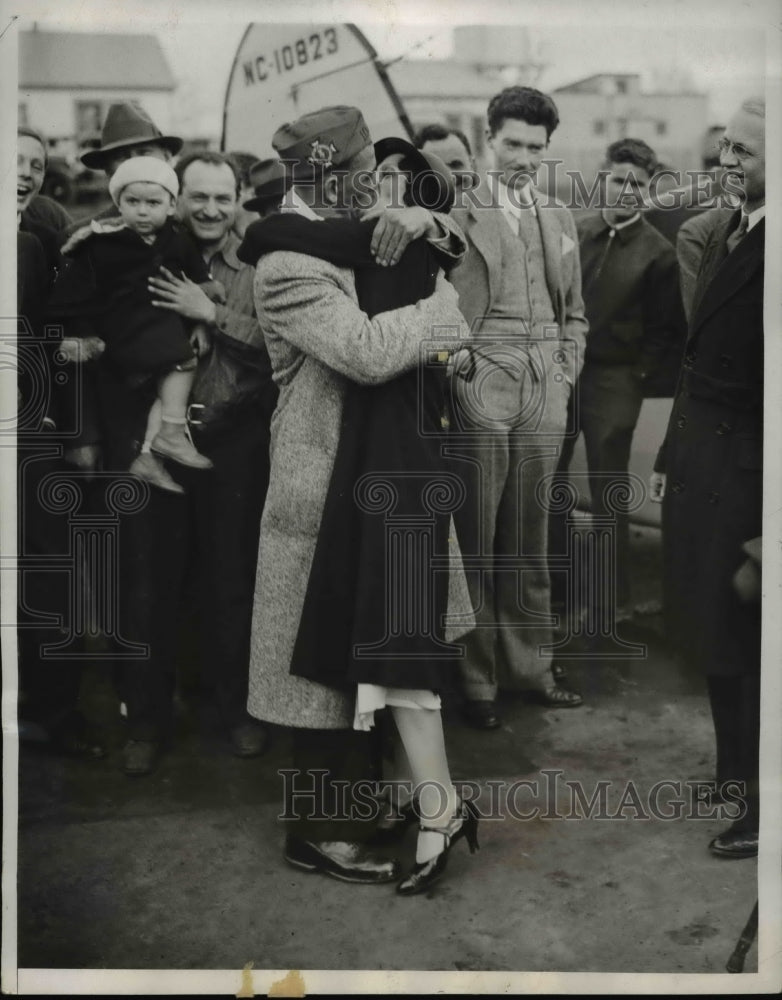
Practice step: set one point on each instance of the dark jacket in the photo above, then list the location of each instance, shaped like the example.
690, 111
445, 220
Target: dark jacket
713, 460
49, 213
36, 401
73, 390
104, 292
630, 286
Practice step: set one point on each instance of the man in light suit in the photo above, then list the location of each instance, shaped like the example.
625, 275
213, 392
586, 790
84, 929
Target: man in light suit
520, 291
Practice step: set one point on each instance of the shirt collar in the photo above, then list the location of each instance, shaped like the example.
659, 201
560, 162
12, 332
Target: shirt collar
753, 218
299, 207
228, 251
622, 228
512, 205
522, 197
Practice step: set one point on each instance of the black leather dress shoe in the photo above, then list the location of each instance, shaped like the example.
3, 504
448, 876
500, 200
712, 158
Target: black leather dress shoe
344, 860
735, 844
482, 714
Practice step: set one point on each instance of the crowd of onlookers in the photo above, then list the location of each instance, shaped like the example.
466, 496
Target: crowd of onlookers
205, 370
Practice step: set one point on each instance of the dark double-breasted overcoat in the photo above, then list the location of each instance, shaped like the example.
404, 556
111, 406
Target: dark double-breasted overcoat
713, 458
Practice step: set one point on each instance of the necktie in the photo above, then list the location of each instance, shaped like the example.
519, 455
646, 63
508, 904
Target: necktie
739, 233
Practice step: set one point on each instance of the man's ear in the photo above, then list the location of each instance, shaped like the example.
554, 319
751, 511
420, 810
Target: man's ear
172, 206
331, 190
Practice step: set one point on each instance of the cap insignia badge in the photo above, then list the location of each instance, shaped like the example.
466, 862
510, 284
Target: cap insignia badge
321, 155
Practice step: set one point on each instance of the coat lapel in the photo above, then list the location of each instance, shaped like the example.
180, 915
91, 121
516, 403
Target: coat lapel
734, 269
484, 235
551, 237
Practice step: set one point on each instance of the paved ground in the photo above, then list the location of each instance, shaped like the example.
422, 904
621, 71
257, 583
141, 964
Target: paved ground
182, 869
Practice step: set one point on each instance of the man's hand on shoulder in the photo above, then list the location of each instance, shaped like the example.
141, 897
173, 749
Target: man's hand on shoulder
396, 228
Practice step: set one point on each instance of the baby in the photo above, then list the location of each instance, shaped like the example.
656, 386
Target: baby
103, 291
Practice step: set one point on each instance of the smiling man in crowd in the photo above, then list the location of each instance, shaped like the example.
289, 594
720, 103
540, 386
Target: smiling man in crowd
217, 518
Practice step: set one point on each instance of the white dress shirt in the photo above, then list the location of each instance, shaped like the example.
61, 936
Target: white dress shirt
753, 218
513, 204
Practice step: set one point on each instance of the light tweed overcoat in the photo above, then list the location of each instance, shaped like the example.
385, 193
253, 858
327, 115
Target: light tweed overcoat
318, 338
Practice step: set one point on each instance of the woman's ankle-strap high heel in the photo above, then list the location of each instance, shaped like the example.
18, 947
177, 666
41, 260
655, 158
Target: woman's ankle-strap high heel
464, 824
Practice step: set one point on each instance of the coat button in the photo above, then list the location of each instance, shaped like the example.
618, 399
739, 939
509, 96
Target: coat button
723, 428
681, 421
726, 361
689, 358
714, 498
677, 487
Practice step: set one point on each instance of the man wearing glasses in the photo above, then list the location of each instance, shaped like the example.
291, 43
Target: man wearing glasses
709, 478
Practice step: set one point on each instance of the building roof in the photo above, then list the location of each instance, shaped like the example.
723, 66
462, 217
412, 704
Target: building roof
65, 60
453, 79
442, 78
591, 84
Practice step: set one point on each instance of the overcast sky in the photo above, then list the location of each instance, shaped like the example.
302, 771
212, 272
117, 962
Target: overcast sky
719, 46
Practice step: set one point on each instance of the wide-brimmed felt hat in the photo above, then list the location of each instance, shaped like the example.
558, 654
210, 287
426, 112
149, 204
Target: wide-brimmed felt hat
431, 183
321, 140
127, 125
268, 180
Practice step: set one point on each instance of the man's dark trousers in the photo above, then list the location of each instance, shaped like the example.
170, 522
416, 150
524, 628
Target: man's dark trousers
735, 709
609, 400
197, 551
49, 686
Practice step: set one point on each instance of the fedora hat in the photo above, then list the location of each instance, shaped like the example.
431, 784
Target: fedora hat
127, 125
268, 180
